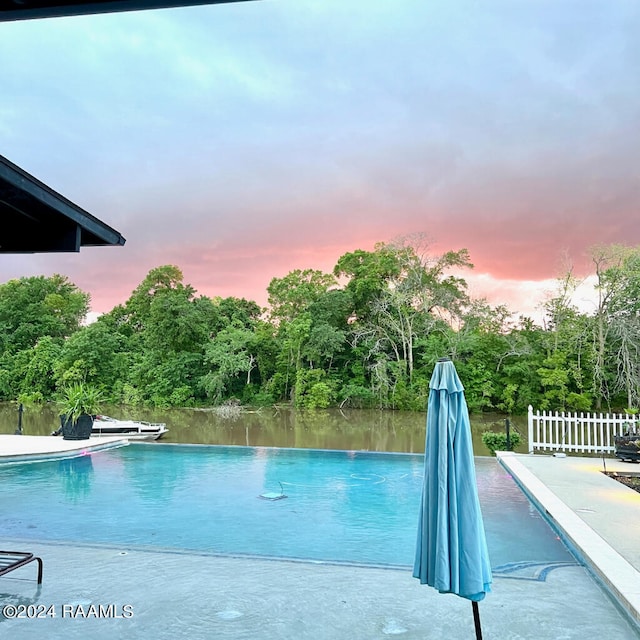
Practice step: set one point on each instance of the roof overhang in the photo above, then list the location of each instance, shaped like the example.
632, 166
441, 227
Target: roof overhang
30, 9
35, 218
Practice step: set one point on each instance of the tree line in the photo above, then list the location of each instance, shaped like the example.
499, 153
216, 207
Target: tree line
366, 335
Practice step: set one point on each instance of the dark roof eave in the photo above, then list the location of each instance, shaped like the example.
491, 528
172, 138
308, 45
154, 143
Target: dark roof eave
34, 9
40, 214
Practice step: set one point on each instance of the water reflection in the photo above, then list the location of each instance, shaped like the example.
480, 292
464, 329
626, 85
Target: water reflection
76, 475
360, 429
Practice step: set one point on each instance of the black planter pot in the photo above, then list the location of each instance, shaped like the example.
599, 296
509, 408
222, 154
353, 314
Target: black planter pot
626, 449
78, 430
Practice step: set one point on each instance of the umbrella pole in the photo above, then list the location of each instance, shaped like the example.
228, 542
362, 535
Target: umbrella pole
476, 620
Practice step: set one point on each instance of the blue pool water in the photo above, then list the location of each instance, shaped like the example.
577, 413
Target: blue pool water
340, 506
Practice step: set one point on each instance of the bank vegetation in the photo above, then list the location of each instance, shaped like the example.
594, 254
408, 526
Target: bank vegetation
365, 335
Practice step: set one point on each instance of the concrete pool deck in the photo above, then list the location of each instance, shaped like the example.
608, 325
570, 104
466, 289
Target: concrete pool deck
599, 516
191, 596
175, 595
22, 448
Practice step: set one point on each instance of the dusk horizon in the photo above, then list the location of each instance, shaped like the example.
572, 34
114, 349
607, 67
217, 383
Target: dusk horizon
243, 141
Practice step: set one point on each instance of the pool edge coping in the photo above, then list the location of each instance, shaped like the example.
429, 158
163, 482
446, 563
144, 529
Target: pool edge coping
63, 449
615, 572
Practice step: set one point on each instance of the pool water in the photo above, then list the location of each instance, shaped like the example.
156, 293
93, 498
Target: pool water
340, 506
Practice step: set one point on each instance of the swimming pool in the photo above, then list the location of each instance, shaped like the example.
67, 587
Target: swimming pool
341, 506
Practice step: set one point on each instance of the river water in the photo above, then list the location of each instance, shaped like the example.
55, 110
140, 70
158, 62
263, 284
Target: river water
353, 429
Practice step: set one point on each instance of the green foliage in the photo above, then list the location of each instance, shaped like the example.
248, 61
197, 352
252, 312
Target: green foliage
313, 390
232, 353
356, 396
238, 312
368, 273
479, 385
38, 380
31, 398
554, 377
181, 397
255, 396
32, 308
95, 354
130, 395
579, 401
319, 396
366, 335
508, 397
290, 296
325, 343
497, 441
79, 398
404, 397
162, 380
277, 386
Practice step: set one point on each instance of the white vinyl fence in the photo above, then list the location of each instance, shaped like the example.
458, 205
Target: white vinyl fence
581, 432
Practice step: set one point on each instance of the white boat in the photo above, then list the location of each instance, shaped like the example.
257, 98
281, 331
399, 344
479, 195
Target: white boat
130, 429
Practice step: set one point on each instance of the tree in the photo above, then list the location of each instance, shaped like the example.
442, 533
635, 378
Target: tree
176, 322
96, 354
137, 309
290, 296
31, 308
619, 285
37, 381
564, 372
238, 312
479, 344
368, 274
164, 380
231, 353
326, 342
417, 292
167, 328
290, 301
617, 325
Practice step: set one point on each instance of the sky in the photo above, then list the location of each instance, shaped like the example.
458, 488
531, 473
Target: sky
242, 141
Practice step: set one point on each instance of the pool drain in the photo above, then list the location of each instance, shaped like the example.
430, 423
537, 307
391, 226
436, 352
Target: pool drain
229, 615
393, 628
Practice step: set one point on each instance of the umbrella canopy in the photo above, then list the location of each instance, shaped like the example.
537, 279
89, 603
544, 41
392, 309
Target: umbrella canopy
451, 551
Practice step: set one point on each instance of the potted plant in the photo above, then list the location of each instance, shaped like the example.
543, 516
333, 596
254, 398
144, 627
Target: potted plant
79, 404
628, 444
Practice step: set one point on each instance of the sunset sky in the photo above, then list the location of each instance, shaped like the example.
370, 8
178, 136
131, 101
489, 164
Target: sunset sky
241, 141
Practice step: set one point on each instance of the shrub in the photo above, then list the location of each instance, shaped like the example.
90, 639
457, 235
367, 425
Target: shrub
313, 389
497, 441
319, 396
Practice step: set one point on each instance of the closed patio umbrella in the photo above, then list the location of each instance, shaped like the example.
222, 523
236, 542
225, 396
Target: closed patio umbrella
451, 550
